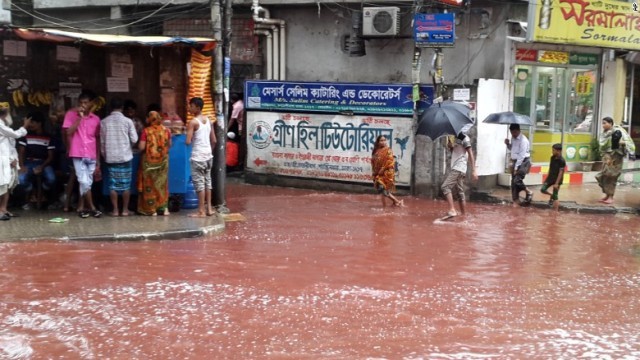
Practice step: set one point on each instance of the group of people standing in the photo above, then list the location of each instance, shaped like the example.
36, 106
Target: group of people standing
90, 141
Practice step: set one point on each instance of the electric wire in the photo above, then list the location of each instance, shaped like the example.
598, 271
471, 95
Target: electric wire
93, 29
472, 60
176, 9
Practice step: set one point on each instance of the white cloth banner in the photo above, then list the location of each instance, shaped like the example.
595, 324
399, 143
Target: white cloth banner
320, 146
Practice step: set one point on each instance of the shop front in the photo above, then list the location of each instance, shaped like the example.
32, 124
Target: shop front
631, 118
45, 70
568, 75
557, 89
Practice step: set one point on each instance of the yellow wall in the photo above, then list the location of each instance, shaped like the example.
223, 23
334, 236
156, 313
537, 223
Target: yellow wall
621, 82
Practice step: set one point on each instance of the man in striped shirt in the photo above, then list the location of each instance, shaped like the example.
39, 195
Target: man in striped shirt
35, 155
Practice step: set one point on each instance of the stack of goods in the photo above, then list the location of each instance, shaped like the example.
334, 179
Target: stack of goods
200, 82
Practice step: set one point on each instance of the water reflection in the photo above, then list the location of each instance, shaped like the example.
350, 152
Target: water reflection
331, 275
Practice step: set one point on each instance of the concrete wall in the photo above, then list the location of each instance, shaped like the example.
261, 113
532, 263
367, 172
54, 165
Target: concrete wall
5, 16
315, 53
56, 4
493, 96
315, 49
314, 46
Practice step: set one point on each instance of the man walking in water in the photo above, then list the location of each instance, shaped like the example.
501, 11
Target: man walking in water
520, 155
461, 155
203, 138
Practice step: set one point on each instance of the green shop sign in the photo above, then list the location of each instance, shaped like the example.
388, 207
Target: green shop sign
583, 59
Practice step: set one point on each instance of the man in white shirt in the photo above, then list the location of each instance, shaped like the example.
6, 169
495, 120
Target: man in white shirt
520, 156
461, 155
236, 125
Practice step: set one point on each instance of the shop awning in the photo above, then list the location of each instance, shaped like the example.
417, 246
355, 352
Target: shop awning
633, 57
111, 40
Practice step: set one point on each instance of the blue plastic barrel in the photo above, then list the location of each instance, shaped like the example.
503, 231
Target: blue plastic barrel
190, 197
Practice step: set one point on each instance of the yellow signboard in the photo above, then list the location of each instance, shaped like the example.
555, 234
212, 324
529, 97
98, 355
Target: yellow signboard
553, 57
601, 23
583, 85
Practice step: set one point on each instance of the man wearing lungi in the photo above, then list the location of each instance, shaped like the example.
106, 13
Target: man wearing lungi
118, 133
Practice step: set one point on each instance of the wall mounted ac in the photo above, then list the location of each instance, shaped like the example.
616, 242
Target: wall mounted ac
380, 21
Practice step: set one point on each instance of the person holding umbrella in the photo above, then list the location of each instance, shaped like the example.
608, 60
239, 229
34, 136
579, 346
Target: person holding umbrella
461, 154
520, 156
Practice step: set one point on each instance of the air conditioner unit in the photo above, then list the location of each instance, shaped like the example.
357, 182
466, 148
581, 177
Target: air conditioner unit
380, 21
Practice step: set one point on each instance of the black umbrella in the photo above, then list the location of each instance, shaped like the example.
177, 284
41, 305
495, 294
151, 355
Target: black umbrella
507, 118
446, 118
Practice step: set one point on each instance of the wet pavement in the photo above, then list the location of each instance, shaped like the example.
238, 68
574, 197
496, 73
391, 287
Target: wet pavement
325, 275
37, 225
583, 198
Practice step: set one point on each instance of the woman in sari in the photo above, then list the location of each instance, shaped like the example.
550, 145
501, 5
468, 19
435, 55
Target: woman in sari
153, 174
615, 143
383, 170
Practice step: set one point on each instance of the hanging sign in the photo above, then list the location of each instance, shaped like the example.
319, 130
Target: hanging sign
434, 30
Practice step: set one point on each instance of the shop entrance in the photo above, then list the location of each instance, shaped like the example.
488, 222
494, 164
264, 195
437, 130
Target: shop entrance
561, 102
631, 118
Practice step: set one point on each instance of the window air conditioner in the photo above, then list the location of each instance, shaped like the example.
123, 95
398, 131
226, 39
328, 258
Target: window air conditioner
381, 21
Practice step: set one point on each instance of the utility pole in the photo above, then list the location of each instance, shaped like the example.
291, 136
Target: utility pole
438, 161
415, 80
219, 170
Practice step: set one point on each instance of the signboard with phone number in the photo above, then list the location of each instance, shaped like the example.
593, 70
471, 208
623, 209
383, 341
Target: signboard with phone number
434, 30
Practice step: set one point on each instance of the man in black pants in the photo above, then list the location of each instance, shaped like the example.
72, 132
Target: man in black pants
520, 155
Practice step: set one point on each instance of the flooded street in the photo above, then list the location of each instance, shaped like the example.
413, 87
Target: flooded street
314, 275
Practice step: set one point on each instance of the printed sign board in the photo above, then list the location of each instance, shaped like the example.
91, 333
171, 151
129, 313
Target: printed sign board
323, 146
599, 23
434, 30
391, 99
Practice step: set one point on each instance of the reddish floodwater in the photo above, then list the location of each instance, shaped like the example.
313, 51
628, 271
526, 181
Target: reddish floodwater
317, 275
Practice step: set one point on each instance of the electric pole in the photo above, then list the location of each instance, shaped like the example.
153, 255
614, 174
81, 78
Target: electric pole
219, 170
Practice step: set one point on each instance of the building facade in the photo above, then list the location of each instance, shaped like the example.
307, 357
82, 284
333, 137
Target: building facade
565, 88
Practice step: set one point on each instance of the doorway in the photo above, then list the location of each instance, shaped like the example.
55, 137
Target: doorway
561, 102
631, 116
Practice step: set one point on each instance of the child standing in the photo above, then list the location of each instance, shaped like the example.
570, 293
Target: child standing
555, 175
200, 133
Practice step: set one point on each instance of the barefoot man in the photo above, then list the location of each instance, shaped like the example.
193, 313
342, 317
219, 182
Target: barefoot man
201, 135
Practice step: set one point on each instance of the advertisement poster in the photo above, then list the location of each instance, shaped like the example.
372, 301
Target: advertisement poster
600, 23
323, 146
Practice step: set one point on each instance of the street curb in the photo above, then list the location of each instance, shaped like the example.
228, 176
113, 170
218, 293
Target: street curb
165, 235
487, 197
141, 236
